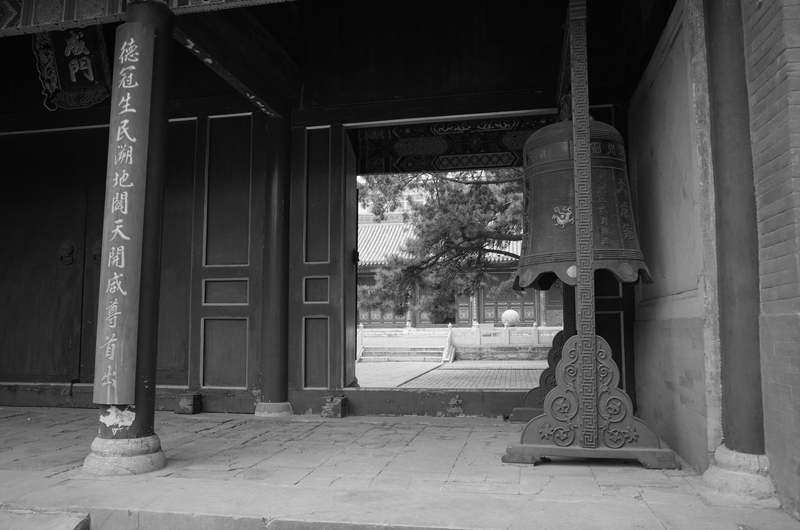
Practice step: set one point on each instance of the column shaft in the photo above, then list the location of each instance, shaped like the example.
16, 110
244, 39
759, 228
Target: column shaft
160, 17
737, 244
275, 354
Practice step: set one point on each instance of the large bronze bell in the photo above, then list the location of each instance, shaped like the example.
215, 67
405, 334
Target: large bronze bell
548, 244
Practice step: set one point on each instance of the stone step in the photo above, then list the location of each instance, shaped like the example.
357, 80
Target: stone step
498, 353
425, 359
401, 350
397, 354
402, 355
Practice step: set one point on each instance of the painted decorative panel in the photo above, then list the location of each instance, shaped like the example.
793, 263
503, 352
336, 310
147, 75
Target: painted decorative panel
447, 146
33, 16
73, 67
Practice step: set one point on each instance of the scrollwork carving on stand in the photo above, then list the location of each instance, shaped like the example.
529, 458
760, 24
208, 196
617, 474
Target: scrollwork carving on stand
560, 432
564, 403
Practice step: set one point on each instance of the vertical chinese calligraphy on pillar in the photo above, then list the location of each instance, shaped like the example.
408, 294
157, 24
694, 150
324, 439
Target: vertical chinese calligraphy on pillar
123, 218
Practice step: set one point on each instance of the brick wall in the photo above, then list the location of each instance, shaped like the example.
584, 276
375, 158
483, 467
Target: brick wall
772, 49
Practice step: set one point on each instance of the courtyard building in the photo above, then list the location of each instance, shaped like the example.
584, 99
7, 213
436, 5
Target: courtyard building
179, 217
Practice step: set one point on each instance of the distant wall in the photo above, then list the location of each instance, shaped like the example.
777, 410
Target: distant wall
677, 358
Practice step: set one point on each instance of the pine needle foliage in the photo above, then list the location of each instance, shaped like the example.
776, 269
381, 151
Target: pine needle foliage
464, 220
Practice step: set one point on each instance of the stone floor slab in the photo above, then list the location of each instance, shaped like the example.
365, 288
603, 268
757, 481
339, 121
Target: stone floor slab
35, 520
236, 471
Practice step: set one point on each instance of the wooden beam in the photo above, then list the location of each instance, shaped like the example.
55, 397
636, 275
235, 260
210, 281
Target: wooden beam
521, 102
236, 46
23, 16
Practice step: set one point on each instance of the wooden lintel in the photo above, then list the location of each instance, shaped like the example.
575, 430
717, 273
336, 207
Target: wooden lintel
238, 48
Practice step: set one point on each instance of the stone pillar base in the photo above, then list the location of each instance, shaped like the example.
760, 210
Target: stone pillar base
131, 456
274, 410
740, 474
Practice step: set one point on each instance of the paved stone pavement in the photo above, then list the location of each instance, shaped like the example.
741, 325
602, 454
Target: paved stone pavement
469, 375
391, 374
236, 471
476, 379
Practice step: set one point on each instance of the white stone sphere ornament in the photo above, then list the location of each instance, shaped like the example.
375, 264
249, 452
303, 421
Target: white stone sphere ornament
510, 317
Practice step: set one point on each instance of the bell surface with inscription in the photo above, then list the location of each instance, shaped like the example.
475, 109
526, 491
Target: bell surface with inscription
548, 245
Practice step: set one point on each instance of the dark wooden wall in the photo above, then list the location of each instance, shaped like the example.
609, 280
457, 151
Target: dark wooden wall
210, 317
47, 266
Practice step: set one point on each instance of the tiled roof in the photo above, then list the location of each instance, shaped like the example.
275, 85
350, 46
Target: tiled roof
378, 240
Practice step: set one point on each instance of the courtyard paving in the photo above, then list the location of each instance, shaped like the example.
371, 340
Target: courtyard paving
236, 471
459, 375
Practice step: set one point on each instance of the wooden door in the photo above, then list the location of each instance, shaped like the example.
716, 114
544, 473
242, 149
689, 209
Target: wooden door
350, 265
227, 262
174, 311
322, 299
47, 178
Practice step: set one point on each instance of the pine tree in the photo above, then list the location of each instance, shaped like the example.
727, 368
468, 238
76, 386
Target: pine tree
464, 219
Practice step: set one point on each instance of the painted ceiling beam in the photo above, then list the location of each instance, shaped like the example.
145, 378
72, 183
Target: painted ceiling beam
238, 48
18, 17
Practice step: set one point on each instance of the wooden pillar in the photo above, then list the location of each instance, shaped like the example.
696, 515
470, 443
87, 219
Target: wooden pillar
737, 236
130, 277
740, 464
275, 349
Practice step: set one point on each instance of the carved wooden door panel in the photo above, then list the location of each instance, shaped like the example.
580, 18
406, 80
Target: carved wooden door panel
322, 292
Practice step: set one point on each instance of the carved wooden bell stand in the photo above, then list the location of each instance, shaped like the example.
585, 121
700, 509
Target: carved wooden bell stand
586, 415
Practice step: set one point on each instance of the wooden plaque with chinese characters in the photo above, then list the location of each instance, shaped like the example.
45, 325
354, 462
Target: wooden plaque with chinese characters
73, 67
123, 217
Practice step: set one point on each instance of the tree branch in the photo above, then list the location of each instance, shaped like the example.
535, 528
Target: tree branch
502, 252
501, 237
481, 182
